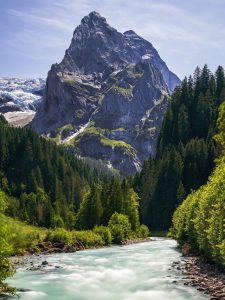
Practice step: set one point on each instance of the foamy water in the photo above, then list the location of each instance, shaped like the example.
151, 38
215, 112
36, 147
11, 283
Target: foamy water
135, 272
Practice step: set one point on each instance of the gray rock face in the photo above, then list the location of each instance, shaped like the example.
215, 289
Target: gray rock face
108, 95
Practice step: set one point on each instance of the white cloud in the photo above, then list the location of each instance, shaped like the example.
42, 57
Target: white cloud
49, 21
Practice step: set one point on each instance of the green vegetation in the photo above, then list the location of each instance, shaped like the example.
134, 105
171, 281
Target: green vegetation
120, 228
70, 81
101, 167
45, 184
126, 92
185, 148
115, 143
87, 238
100, 204
91, 130
17, 237
5, 250
67, 127
100, 134
42, 184
200, 219
48, 187
104, 233
118, 129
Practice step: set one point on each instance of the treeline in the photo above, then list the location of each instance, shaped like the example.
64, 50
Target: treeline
200, 219
46, 183
47, 186
17, 237
185, 148
100, 203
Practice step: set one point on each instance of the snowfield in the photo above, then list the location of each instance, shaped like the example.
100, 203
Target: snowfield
20, 98
26, 94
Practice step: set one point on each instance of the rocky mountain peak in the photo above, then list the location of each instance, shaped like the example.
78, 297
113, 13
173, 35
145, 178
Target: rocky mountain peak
129, 32
92, 25
93, 18
108, 95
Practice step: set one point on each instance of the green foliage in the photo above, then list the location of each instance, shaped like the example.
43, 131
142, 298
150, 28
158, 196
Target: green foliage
220, 137
200, 219
120, 228
5, 250
142, 231
115, 143
88, 238
91, 210
59, 234
126, 92
185, 148
102, 201
45, 181
22, 238
3, 120
104, 233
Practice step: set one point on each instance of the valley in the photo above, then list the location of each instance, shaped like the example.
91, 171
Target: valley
109, 151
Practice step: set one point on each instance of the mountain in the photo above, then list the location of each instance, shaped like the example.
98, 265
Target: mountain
20, 98
108, 96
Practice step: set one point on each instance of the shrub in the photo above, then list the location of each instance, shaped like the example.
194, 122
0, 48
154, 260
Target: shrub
5, 249
105, 234
120, 228
88, 238
142, 231
59, 234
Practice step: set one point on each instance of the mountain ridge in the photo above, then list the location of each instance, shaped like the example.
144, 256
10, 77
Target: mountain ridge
105, 74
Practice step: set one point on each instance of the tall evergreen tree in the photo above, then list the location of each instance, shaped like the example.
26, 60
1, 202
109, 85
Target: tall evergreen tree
185, 147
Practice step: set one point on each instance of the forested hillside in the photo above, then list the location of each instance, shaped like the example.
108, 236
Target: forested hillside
42, 184
200, 219
47, 186
46, 183
185, 149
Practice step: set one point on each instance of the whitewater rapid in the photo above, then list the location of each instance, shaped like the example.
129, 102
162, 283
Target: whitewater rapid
134, 272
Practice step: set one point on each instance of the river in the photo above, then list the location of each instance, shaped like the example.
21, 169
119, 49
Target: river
134, 272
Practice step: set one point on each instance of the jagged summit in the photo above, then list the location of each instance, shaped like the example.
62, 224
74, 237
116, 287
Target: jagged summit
107, 96
130, 32
93, 19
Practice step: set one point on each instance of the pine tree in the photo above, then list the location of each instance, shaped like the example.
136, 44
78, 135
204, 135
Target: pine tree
185, 148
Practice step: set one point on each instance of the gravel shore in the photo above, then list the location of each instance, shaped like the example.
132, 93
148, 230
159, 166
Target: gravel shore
205, 276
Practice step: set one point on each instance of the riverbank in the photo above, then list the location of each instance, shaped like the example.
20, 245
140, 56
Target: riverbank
39, 261
48, 247
204, 276
136, 272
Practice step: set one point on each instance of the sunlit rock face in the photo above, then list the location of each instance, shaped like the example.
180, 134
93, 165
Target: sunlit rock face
108, 96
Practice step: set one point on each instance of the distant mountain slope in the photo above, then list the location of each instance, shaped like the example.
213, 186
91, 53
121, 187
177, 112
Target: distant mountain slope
108, 95
19, 98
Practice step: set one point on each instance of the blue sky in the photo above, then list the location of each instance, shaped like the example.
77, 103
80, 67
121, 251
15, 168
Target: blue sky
35, 33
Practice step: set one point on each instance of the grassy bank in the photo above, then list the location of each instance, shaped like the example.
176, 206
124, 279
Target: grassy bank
21, 239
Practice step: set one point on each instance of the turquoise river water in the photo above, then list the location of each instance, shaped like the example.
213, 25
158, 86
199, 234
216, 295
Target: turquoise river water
134, 272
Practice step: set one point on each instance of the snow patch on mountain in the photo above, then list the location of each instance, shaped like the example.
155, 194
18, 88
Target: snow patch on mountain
20, 94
